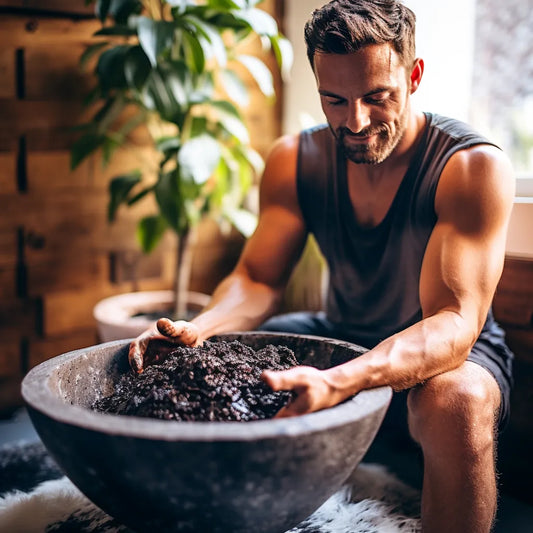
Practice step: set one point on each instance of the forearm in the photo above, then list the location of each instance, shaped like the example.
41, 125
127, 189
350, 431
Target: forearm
432, 346
238, 304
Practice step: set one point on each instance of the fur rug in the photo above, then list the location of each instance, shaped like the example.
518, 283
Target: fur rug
35, 497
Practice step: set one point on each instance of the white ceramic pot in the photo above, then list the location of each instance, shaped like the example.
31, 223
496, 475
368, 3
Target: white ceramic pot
116, 316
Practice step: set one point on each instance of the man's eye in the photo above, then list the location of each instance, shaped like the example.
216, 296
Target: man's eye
335, 101
377, 99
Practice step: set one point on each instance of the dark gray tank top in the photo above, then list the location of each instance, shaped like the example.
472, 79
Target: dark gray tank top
374, 272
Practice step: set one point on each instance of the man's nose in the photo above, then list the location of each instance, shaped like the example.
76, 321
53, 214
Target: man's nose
359, 117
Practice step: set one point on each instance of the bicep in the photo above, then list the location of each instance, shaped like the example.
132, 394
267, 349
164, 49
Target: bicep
464, 257
272, 251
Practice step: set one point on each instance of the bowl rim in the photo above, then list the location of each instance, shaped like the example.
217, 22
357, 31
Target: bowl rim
38, 397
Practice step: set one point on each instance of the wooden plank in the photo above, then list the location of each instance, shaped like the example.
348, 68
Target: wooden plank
42, 349
68, 311
8, 172
8, 283
67, 271
513, 301
18, 317
10, 396
8, 87
53, 73
8, 248
56, 6
50, 169
20, 116
10, 358
18, 31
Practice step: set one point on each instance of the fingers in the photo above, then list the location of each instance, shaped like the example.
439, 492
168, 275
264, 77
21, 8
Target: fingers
310, 385
294, 379
137, 349
179, 331
145, 350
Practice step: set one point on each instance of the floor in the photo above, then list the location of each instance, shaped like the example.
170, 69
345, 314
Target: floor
514, 516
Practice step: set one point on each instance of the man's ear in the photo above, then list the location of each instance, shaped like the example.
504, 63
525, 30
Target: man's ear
416, 74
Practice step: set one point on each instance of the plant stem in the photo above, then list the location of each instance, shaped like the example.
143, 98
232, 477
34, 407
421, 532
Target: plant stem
183, 272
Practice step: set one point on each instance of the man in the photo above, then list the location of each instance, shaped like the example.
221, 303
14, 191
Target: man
411, 211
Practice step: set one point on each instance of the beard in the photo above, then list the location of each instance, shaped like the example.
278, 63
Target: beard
378, 149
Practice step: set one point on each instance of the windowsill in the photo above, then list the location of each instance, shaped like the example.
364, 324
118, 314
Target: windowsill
524, 185
519, 238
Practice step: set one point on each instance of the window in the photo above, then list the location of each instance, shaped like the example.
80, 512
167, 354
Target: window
502, 82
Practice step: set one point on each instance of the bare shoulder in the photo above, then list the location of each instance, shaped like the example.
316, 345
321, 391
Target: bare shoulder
279, 177
479, 180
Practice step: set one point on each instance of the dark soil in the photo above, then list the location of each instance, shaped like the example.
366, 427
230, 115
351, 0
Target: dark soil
219, 381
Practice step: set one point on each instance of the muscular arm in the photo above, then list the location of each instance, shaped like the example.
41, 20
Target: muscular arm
252, 292
460, 271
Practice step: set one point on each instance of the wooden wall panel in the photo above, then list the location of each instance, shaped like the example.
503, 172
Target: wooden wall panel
58, 254
70, 271
7, 73
8, 247
8, 173
513, 308
36, 30
10, 363
52, 70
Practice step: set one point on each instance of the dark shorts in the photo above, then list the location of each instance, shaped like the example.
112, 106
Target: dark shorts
489, 352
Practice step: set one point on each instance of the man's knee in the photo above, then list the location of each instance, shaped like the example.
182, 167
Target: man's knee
457, 408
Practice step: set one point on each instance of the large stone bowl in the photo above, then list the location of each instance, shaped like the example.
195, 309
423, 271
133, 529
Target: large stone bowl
155, 475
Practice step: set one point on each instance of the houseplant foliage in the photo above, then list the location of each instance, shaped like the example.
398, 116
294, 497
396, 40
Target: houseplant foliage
179, 64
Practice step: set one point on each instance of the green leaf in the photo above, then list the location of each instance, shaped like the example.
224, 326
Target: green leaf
260, 73
119, 190
243, 220
176, 87
109, 112
227, 4
181, 4
198, 126
155, 37
170, 201
140, 195
110, 68
102, 9
261, 22
118, 29
136, 67
158, 96
150, 230
108, 149
166, 144
90, 51
198, 158
253, 158
121, 10
194, 53
234, 126
214, 38
226, 107
84, 147
284, 55
235, 87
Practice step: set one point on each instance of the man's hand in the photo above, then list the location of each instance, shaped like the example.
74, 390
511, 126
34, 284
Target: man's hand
314, 389
166, 334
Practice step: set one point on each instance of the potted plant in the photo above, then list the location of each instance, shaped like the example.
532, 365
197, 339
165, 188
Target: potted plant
176, 67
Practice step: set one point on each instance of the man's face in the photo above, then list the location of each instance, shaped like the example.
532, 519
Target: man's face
365, 98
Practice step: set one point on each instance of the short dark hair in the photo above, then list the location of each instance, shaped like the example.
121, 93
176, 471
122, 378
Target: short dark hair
346, 26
